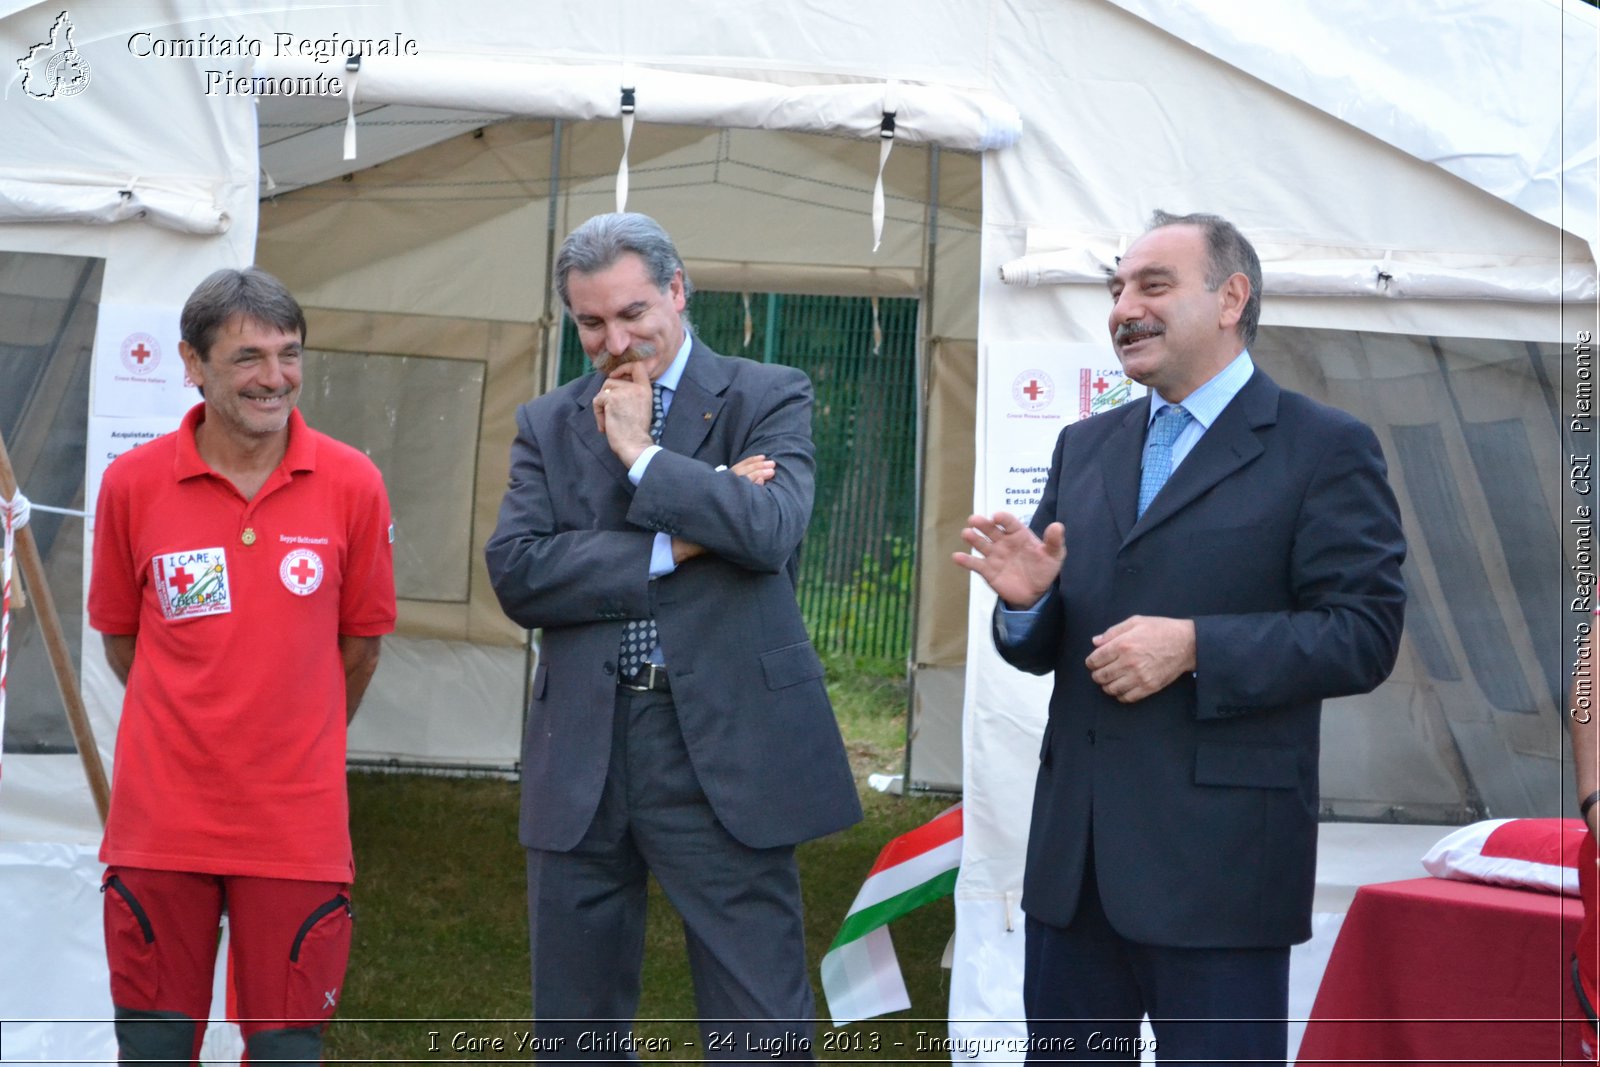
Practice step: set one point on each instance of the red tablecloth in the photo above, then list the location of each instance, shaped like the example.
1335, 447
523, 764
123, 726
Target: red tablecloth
1431, 971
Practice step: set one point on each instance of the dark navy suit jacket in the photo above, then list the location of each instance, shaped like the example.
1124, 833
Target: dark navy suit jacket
1280, 537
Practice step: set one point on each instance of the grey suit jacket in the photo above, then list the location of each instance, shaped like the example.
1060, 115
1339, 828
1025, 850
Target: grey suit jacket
570, 555
1279, 536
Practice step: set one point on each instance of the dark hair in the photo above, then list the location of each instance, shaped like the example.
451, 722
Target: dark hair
251, 292
1228, 252
604, 239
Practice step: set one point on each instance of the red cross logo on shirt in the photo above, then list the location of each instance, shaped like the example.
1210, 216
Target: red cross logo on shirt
1101, 385
301, 572
180, 580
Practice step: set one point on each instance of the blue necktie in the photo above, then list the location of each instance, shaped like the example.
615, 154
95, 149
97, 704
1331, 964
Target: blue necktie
1168, 424
639, 635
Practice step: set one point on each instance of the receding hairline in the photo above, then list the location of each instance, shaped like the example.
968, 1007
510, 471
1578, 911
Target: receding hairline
1160, 267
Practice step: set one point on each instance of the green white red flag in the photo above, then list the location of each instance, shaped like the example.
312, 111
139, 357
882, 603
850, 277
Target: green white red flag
860, 973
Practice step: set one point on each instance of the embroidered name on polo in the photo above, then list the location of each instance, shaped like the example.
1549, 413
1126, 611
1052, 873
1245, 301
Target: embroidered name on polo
192, 584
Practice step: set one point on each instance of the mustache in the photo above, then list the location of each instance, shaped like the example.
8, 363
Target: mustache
1134, 331
605, 363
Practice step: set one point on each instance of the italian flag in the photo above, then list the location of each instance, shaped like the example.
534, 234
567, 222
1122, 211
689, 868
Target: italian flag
860, 974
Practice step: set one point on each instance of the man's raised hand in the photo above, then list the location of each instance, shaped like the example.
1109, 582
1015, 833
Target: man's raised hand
1017, 564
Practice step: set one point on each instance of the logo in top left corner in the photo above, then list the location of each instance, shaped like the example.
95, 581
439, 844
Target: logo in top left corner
55, 69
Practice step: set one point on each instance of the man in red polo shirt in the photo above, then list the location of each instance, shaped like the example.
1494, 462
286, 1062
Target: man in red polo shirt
242, 582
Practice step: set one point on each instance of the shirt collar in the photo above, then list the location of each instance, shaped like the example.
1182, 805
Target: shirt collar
301, 454
1207, 402
674, 374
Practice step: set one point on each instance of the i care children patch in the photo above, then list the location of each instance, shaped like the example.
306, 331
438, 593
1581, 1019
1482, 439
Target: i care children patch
193, 583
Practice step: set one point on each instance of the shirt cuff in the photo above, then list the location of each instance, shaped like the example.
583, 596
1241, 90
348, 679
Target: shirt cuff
636, 472
661, 561
1015, 626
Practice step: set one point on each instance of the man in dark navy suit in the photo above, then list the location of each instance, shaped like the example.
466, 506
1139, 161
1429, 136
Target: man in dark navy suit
1205, 568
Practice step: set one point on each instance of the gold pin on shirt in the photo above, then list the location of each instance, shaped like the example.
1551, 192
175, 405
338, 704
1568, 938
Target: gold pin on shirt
249, 536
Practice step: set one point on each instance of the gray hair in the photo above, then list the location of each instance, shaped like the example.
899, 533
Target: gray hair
252, 293
1228, 252
600, 242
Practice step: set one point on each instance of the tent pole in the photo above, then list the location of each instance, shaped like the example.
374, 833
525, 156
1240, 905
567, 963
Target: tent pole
925, 343
56, 642
550, 363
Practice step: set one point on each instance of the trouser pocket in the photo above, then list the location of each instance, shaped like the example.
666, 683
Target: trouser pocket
317, 960
130, 948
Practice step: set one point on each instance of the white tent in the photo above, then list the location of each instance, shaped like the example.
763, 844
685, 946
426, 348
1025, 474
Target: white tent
1421, 181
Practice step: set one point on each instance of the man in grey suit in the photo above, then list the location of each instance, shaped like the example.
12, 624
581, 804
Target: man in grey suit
1205, 567
679, 722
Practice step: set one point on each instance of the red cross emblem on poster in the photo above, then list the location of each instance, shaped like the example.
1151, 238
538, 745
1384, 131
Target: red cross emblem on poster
1033, 390
141, 353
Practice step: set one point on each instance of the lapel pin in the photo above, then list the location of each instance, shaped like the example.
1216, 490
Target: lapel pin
708, 416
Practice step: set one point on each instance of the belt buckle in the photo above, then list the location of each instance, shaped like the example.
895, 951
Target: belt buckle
649, 673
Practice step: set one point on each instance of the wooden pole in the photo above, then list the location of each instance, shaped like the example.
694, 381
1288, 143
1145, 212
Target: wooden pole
56, 642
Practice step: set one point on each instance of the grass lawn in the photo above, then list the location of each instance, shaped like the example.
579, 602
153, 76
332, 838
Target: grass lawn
441, 941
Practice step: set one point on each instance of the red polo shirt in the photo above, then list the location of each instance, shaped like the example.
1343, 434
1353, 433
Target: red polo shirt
230, 754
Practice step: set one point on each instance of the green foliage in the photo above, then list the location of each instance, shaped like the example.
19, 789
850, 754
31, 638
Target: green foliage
872, 605
870, 696
441, 943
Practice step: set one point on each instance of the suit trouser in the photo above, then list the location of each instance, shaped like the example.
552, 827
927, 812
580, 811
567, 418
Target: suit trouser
740, 908
1085, 988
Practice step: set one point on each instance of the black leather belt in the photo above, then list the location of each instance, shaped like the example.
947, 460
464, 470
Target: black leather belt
651, 679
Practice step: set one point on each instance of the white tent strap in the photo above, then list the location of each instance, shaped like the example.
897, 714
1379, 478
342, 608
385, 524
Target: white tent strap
968, 119
352, 68
105, 200
885, 143
627, 105
1389, 277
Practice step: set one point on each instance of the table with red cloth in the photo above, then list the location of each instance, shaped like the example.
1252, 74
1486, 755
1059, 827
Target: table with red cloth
1436, 971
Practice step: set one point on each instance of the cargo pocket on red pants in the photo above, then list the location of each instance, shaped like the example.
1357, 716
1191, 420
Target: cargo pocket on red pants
317, 961
130, 948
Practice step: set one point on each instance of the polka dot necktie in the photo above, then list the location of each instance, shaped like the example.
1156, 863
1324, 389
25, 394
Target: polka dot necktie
639, 635
1169, 423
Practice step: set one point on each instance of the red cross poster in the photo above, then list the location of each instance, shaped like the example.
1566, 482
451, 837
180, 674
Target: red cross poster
137, 368
1033, 391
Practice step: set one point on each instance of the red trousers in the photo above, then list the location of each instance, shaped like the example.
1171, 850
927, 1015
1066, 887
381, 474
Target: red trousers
290, 942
